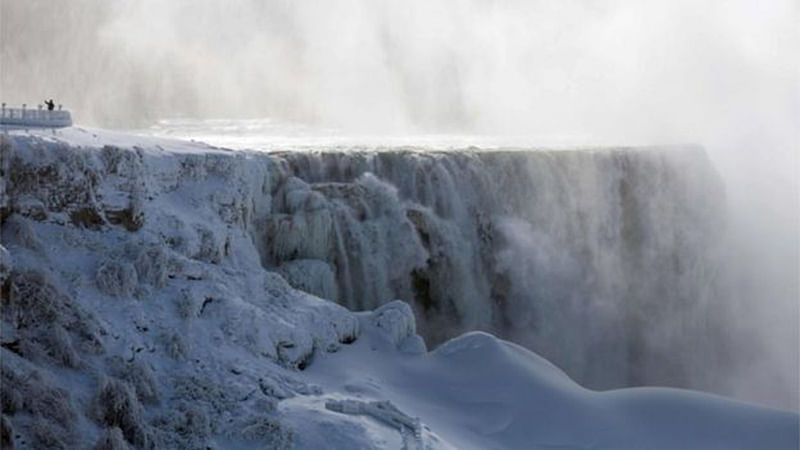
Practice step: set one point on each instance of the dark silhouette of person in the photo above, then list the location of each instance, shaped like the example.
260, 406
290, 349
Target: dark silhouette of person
50, 104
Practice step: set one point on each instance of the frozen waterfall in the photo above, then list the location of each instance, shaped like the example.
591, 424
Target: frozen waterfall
605, 261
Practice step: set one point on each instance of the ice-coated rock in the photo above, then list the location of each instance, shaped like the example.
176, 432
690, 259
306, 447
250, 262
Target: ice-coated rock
395, 323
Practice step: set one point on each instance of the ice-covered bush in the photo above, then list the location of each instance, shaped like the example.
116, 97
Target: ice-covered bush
45, 436
151, 266
32, 300
185, 305
18, 231
204, 393
192, 421
115, 405
185, 426
6, 265
111, 439
210, 250
174, 346
269, 431
27, 391
60, 346
11, 391
116, 278
6, 434
138, 375
46, 323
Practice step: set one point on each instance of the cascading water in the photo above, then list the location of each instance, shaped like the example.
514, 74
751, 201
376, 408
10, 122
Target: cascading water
604, 261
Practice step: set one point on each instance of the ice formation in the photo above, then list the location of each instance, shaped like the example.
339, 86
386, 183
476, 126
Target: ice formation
159, 294
591, 257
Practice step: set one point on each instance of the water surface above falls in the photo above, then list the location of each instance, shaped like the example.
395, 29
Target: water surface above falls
271, 135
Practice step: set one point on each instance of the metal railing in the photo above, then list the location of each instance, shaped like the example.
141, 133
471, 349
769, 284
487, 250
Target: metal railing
38, 117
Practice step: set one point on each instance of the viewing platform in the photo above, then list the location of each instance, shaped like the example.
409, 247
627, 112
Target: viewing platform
40, 117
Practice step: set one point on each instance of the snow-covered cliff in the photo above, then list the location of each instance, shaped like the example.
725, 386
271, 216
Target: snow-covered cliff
161, 294
133, 298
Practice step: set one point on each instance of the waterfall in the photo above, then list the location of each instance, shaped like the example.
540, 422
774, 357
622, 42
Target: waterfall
605, 261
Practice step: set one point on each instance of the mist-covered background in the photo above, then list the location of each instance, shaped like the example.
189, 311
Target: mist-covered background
651, 70
723, 74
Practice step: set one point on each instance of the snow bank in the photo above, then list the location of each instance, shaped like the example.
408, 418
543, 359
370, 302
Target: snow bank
477, 392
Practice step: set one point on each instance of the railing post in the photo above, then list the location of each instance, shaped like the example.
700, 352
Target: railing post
24, 113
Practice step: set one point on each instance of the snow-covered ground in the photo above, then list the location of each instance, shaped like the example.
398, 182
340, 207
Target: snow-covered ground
137, 312
479, 392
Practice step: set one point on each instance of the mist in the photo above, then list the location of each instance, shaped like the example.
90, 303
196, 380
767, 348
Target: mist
723, 74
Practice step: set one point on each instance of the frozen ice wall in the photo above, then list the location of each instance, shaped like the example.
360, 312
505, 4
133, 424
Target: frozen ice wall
608, 262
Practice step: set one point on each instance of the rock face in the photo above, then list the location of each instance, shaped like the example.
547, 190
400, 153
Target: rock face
200, 257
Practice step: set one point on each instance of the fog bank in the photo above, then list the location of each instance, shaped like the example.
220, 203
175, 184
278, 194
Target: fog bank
723, 74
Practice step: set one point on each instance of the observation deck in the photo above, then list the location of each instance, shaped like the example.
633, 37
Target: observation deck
40, 117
